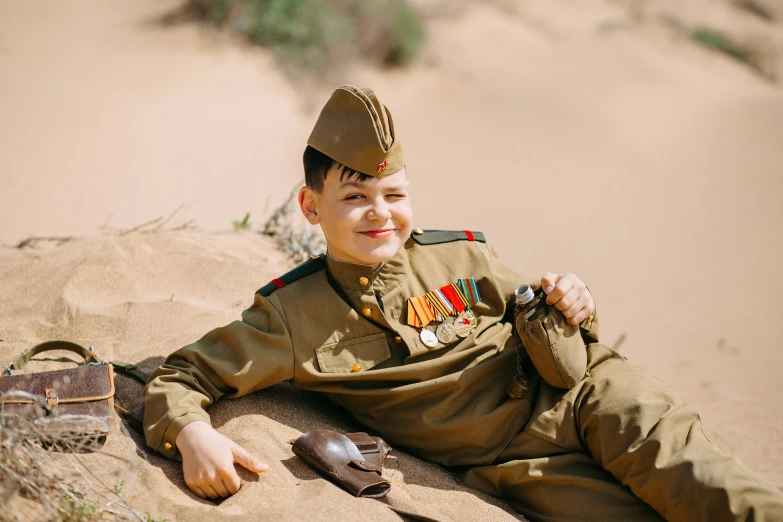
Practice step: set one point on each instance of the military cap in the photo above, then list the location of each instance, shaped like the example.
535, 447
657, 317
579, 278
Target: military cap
356, 129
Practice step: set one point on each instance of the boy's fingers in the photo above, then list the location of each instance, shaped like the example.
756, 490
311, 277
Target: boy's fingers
231, 481
581, 316
246, 460
564, 284
574, 309
197, 491
219, 487
568, 301
209, 491
548, 281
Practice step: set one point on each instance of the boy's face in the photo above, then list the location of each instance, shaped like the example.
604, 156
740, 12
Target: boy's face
364, 222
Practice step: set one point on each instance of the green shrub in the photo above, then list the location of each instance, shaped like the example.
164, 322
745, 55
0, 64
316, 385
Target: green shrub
321, 34
755, 54
719, 42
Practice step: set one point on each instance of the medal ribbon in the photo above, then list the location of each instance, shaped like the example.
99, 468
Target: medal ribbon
457, 302
423, 309
440, 303
446, 302
460, 295
470, 289
413, 318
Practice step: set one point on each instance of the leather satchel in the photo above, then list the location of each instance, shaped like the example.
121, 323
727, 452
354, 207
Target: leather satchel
70, 406
353, 461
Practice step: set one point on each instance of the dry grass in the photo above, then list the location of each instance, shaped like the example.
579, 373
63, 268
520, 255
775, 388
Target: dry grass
148, 227
43, 475
296, 238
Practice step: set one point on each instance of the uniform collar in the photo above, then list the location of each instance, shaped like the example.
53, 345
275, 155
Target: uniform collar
351, 276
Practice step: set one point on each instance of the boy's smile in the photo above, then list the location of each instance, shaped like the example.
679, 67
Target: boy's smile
364, 221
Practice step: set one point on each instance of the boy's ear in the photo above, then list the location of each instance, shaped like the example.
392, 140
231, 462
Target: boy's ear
308, 206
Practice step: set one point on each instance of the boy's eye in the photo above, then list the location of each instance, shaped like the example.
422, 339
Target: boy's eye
354, 196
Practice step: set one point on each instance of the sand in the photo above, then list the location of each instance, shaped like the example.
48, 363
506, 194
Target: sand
576, 137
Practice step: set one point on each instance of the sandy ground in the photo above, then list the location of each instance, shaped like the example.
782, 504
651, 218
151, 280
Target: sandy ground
648, 166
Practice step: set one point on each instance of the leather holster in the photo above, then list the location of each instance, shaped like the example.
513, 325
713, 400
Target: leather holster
353, 461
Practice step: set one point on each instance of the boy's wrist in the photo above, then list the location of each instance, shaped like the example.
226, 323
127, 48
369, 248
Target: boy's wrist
188, 432
168, 445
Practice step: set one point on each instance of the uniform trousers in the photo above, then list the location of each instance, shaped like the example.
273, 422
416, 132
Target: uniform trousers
621, 446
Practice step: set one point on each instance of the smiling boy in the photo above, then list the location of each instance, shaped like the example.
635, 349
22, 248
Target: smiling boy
354, 325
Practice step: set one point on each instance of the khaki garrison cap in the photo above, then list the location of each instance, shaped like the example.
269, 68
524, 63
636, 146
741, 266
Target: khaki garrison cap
356, 129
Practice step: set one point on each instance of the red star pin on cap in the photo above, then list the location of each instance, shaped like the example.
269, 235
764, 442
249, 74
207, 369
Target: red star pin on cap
382, 166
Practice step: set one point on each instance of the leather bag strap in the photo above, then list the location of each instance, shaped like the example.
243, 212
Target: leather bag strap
131, 370
89, 356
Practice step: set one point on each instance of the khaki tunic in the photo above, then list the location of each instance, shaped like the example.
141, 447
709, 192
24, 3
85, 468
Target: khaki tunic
447, 404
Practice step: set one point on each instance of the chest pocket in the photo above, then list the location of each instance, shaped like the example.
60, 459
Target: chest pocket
353, 356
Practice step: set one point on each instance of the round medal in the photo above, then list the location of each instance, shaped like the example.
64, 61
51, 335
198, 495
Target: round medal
465, 324
428, 338
446, 333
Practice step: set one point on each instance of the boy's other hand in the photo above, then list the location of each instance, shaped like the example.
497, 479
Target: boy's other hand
568, 293
208, 460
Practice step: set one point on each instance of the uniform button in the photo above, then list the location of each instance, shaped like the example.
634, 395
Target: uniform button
356, 368
363, 281
168, 446
367, 311
418, 231
398, 339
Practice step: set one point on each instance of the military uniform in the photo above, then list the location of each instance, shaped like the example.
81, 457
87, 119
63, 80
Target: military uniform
617, 446
339, 328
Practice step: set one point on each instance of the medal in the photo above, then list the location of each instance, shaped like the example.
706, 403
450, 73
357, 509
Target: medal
465, 324
428, 338
454, 299
446, 333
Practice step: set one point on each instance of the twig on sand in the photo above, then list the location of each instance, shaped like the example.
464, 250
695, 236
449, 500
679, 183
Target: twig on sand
33, 241
155, 225
140, 227
148, 227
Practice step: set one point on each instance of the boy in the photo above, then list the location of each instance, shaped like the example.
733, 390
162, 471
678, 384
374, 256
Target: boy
353, 325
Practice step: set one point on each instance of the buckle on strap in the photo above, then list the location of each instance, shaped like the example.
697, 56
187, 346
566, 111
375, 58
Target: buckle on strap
51, 398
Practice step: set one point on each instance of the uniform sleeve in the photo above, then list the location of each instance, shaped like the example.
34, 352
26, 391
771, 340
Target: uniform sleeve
508, 280
230, 361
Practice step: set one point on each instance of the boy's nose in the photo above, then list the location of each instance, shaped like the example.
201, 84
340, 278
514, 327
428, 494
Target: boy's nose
379, 211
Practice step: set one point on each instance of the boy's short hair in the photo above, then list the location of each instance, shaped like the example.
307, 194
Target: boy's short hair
317, 165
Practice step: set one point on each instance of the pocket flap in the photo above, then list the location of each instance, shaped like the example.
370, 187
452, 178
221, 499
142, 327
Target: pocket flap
342, 357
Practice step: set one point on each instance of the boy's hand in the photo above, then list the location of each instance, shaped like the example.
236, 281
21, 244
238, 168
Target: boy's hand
208, 461
569, 295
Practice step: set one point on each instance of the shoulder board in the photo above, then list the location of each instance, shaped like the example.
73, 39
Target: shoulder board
311, 266
435, 237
